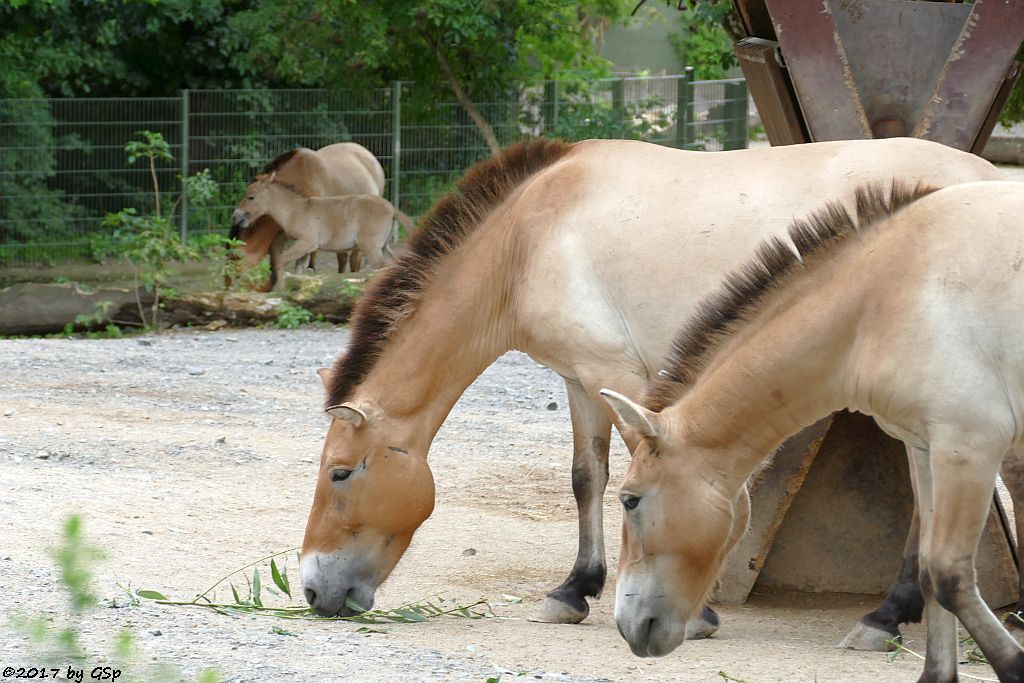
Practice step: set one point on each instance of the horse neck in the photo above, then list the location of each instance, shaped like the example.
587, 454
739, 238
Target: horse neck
284, 204
461, 325
778, 373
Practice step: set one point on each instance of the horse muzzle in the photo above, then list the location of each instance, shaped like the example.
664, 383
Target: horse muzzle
239, 219
334, 588
651, 636
647, 617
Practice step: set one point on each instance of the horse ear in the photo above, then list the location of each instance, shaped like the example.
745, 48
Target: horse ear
634, 415
325, 376
349, 413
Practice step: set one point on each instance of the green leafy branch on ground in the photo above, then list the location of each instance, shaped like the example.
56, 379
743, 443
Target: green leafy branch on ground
252, 600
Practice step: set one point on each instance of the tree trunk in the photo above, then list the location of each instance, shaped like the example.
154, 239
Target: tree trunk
481, 123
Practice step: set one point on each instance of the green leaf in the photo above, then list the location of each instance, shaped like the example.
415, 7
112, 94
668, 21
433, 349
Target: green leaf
150, 595
256, 600
234, 593
282, 632
280, 578
409, 614
353, 605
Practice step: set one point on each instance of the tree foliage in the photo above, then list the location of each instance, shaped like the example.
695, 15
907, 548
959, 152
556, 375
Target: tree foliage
476, 50
123, 48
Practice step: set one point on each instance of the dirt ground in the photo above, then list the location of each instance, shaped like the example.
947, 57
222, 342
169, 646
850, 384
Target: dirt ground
192, 454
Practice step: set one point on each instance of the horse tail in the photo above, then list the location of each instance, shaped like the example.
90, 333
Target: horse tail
404, 219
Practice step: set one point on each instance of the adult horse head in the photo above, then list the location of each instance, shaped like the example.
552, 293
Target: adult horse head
373, 491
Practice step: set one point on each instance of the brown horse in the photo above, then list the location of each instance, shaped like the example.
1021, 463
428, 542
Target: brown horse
924, 331
339, 224
342, 168
581, 256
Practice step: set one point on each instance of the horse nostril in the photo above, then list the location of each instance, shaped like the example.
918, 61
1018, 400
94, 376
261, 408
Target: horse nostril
310, 596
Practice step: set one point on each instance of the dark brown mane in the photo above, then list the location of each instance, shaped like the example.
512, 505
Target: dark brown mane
294, 189
743, 291
393, 294
279, 161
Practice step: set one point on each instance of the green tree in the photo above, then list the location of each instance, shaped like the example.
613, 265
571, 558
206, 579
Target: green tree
704, 40
478, 50
70, 48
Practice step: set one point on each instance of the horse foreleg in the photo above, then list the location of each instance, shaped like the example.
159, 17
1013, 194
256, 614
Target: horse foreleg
291, 255
1012, 472
963, 482
591, 431
878, 631
354, 260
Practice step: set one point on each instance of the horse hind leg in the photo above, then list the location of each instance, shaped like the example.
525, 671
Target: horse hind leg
354, 260
879, 631
963, 488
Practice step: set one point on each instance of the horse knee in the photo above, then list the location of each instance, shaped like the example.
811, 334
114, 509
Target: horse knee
948, 580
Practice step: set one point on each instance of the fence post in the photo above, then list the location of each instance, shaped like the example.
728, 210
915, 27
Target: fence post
736, 112
184, 164
396, 151
684, 108
550, 107
619, 102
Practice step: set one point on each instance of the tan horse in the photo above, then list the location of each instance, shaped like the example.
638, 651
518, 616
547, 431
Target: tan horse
338, 224
924, 330
582, 256
342, 168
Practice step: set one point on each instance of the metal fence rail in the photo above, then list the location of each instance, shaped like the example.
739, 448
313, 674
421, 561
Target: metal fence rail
63, 165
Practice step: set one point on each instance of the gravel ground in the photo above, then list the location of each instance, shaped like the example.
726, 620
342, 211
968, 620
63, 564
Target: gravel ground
192, 454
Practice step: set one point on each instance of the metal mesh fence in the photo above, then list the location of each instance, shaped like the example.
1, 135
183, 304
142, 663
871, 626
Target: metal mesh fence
63, 166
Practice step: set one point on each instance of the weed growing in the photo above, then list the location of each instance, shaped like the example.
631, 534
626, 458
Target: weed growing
57, 639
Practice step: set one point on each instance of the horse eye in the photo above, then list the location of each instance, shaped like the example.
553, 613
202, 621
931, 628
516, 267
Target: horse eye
252, 197
630, 502
340, 475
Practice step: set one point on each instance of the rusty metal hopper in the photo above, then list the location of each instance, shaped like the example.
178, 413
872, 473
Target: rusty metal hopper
883, 68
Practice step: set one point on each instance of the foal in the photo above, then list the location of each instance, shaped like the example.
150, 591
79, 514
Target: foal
335, 224
912, 315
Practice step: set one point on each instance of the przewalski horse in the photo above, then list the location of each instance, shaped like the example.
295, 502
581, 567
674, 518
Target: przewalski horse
341, 168
338, 224
584, 256
912, 313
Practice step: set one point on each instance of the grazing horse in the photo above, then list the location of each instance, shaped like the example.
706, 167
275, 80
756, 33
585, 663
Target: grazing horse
912, 313
341, 168
337, 224
582, 256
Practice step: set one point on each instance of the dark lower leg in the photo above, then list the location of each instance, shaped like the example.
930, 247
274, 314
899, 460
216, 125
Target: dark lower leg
591, 432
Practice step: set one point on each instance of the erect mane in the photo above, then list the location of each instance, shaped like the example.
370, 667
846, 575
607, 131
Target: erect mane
743, 291
294, 189
395, 290
279, 161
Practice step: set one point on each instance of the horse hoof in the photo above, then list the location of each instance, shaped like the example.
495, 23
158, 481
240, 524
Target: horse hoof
702, 626
870, 639
555, 611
